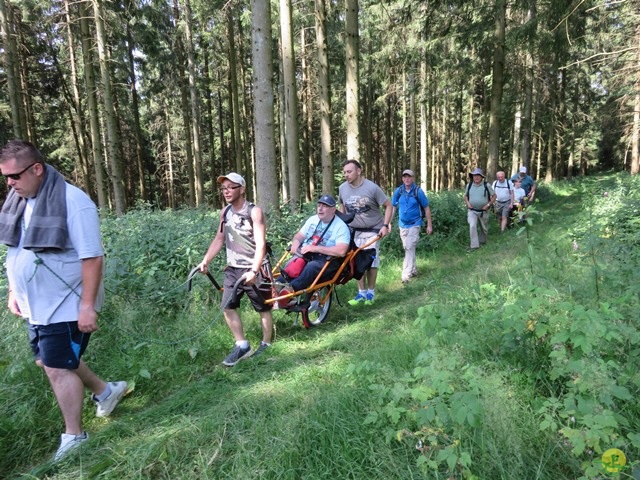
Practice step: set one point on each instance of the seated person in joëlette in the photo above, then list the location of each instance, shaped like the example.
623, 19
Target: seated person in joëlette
323, 236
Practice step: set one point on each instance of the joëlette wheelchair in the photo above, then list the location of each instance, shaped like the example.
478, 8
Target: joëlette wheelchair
314, 302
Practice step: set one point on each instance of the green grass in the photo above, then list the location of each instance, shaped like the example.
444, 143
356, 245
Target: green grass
468, 359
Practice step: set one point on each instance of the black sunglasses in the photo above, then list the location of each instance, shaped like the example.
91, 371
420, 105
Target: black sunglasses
225, 189
16, 176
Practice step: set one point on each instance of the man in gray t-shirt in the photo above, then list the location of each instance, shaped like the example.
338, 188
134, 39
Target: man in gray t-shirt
364, 198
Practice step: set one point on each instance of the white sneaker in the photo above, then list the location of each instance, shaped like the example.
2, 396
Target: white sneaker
69, 442
106, 406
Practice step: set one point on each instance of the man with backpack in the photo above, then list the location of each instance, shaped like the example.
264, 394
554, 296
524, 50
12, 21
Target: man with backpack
242, 230
479, 197
412, 205
504, 199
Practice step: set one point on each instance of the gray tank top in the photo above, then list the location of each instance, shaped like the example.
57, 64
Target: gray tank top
238, 235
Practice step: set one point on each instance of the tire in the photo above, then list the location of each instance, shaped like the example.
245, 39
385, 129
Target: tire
318, 312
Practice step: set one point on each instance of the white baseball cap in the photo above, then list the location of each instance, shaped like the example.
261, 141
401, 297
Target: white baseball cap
234, 177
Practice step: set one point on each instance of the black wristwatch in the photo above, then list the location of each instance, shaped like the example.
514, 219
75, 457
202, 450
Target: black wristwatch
386, 225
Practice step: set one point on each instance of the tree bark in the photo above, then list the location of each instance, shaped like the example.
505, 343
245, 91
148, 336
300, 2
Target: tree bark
137, 127
324, 86
265, 148
113, 139
635, 137
77, 114
185, 108
497, 86
92, 106
308, 167
352, 46
527, 124
290, 102
195, 105
234, 100
11, 70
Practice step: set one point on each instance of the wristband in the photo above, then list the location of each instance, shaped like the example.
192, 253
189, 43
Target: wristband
386, 225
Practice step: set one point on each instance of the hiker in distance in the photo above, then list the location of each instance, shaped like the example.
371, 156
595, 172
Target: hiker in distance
504, 191
479, 198
242, 230
364, 198
528, 183
412, 205
48, 222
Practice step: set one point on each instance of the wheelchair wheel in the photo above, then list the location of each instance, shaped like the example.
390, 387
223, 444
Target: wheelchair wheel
318, 310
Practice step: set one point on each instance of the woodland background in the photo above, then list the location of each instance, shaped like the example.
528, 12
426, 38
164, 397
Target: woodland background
148, 101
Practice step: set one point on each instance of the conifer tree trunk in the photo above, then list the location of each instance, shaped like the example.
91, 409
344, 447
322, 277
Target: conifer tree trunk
77, 113
92, 105
11, 70
635, 139
517, 133
423, 124
527, 126
308, 166
113, 138
352, 45
234, 100
185, 108
497, 86
209, 124
324, 87
265, 147
195, 105
290, 101
137, 128
413, 116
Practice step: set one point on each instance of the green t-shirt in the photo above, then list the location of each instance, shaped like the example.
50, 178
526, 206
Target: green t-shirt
478, 195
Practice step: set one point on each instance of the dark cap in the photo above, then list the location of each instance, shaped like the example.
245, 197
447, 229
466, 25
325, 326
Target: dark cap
327, 200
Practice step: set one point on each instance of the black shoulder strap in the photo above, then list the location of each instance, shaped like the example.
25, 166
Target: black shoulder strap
223, 217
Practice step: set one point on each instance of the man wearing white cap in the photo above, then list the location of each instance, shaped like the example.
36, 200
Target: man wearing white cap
411, 202
528, 184
242, 230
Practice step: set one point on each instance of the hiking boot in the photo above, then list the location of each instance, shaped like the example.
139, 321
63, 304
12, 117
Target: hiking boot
263, 346
359, 299
237, 354
106, 406
69, 442
369, 300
